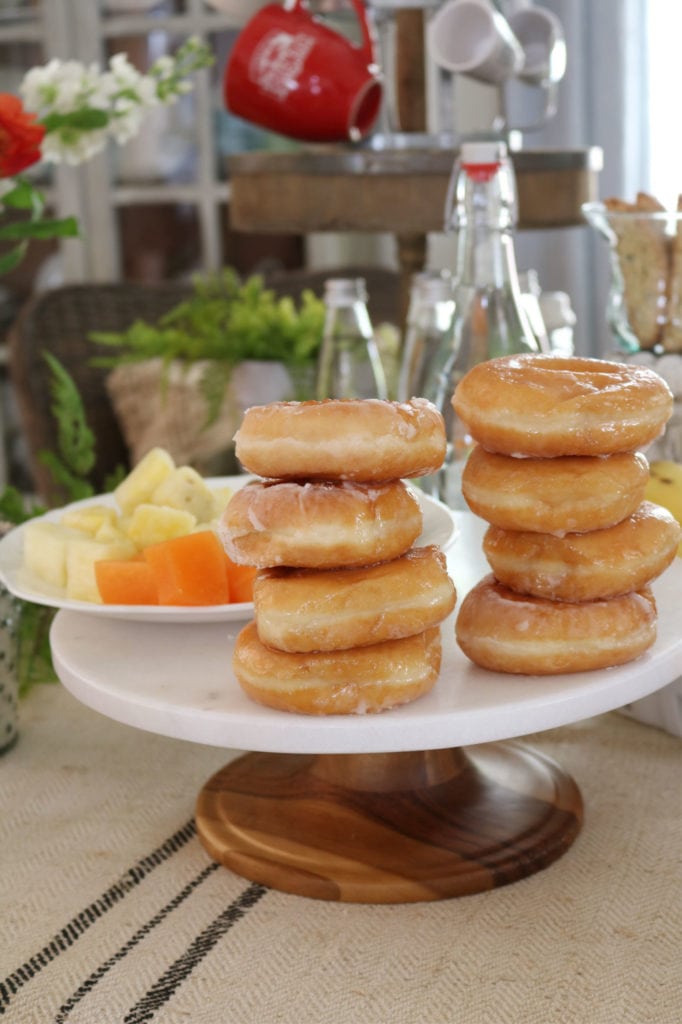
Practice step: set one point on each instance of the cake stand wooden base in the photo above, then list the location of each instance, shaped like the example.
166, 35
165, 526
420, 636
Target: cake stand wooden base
390, 828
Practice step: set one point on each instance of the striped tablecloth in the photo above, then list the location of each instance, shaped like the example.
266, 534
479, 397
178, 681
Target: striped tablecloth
112, 912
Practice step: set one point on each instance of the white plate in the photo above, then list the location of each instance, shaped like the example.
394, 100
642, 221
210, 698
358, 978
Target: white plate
180, 683
439, 528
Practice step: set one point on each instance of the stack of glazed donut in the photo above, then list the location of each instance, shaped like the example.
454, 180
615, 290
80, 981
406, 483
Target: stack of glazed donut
347, 609
572, 545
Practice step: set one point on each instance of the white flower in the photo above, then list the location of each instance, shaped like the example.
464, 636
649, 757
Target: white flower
71, 147
164, 66
125, 126
129, 85
60, 87
121, 93
123, 71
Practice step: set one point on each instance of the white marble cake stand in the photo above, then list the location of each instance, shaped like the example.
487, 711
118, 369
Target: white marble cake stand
417, 803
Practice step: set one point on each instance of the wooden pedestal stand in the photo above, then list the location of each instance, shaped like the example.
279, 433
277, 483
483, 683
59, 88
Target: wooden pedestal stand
390, 828
459, 806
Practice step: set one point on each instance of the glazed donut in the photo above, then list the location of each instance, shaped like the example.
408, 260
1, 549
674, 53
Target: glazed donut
356, 681
302, 610
544, 406
503, 631
586, 566
366, 440
563, 495
319, 525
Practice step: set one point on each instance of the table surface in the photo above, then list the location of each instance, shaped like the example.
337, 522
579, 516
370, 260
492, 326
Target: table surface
113, 912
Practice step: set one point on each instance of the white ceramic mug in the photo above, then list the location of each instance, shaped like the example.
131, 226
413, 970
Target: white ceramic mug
471, 37
541, 36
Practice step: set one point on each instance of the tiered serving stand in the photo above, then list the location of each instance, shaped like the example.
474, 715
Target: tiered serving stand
431, 800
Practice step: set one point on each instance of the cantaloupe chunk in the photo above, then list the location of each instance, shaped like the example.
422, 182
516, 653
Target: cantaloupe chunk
241, 579
190, 570
126, 582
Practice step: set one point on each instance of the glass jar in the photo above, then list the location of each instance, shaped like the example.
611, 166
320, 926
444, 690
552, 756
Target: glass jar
644, 305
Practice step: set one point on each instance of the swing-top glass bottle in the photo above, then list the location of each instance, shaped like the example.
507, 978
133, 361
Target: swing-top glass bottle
488, 319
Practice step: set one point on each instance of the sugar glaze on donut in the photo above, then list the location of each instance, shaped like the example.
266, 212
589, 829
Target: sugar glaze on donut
586, 566
357, 681
503, 631
545, 406
568, 494
316, 610
319, 525
366, 440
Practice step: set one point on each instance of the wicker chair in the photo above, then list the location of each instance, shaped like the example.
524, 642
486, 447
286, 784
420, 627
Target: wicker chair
383, 287
61, 321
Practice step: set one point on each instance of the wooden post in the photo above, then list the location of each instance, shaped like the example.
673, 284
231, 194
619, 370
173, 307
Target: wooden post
410, 88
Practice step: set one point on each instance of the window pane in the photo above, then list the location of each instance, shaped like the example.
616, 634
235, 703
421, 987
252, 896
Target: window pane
13, 12
112, 8
233, 134
665, 148
15, 60
166, 148
159, 241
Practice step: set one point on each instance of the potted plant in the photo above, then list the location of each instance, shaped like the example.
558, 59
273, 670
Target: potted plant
183, 382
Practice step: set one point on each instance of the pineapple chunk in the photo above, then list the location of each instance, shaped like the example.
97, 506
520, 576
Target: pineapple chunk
89, 517
221, 496
143, 480
45, 546
81, 554
111, 531
185, 489
150, 524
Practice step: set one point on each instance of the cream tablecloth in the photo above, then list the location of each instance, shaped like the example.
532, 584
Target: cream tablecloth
113, 914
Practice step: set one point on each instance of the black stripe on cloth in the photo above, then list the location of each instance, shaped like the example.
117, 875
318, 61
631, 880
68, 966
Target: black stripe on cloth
178, 971
88, 985
78, 925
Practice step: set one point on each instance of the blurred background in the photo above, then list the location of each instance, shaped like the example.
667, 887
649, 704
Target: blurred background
159, 208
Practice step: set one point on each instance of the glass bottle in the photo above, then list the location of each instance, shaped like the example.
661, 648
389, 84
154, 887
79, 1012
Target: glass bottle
489, 319
559, 319
349, 365
428, 328
531, 293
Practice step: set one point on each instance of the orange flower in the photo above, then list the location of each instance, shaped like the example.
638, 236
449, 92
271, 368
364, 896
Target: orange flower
20, 136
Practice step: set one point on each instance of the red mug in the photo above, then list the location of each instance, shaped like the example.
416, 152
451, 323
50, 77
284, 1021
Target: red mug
292, 74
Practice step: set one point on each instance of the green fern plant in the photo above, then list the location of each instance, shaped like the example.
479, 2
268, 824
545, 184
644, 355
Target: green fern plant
73, 458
